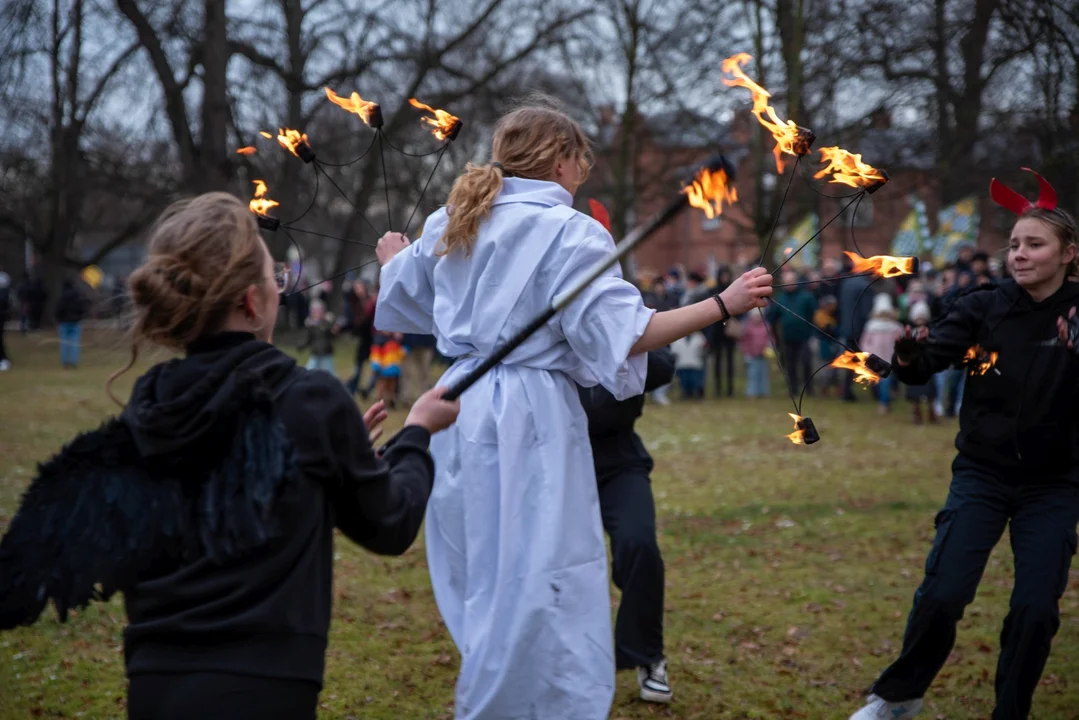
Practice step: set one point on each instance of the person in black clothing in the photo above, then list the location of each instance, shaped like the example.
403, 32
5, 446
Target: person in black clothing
211, 501
855, 306
721, 343
1017, 465
5, 306
71, 308
629, 519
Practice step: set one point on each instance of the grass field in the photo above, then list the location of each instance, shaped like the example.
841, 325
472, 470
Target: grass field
790, 570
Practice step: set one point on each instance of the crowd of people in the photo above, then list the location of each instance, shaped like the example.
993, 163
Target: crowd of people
816, 314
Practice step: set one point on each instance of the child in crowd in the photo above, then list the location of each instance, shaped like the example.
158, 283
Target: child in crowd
879, 338
689, 358
754, 342
918, 316
826, 321
320, 331
387, 352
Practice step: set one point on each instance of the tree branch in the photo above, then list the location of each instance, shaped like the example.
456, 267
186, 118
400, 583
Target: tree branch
102, 81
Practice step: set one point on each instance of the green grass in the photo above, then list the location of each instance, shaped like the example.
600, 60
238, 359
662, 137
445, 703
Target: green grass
790, 570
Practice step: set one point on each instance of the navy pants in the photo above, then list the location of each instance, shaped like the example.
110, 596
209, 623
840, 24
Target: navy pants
981, 503
629, 518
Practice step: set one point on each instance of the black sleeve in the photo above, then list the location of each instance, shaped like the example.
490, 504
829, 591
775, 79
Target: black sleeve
660, 369
378, 502
949, 339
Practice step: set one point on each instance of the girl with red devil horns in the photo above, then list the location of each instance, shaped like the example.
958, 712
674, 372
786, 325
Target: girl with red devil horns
1017, 466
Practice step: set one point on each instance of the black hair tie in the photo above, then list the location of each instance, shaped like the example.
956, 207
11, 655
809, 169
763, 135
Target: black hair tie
498, 166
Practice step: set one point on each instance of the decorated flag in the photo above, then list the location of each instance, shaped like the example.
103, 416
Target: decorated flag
796, 237
913, 237
958, 224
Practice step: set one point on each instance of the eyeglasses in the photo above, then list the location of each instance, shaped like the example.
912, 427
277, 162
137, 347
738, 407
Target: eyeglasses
281, 276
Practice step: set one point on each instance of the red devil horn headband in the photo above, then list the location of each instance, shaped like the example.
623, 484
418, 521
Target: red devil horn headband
1011, 200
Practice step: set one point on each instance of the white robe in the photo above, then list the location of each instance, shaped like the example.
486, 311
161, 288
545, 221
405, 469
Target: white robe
514, 539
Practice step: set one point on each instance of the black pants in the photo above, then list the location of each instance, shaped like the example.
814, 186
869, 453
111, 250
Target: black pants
219, 696
980, 504
724, 353
3, 350
798, 362
629, 518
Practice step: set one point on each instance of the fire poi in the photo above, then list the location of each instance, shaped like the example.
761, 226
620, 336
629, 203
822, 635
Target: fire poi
711, 190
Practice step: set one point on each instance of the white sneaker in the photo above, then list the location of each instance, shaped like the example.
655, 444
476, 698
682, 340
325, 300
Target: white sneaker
880, 709
5, 365
653, 682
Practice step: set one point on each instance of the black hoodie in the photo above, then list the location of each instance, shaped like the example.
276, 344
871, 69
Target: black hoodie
1022, 415
265, 612
615, 444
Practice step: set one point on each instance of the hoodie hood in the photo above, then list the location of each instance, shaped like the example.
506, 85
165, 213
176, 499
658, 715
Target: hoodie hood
183, 402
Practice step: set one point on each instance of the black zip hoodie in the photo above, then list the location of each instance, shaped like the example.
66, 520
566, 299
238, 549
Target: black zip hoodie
615, 444
1020, 417
265, 612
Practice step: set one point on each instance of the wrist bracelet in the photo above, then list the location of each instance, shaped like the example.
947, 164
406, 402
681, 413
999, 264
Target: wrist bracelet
722, 309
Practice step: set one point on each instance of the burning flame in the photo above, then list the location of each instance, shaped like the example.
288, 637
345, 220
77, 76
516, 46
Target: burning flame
291, 140
442, 124
354, 104
798, 436
884, 265
847, 168
789, 137
709, 190
979, 360
260, 203
856, 362
265, 134
249, 150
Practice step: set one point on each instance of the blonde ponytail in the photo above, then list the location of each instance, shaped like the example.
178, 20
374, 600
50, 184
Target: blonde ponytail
470, 202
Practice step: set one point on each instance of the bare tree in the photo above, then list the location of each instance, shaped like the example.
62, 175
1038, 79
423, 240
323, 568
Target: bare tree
54, 39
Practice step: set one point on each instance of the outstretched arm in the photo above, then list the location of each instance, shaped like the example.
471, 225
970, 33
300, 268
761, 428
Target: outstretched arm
745, 293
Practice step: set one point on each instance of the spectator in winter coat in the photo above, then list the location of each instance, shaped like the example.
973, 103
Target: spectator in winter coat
320, 331
70, 311
794, 332
5, 306
689, 359
879, 338
854, 308
754, 344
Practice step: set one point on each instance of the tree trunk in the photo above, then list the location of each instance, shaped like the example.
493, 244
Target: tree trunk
215, 170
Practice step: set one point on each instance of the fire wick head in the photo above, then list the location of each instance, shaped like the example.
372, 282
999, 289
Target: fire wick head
268, 223
455, 130
375, 119
877, 185
809, 430
879, 366
803, 142
305, 152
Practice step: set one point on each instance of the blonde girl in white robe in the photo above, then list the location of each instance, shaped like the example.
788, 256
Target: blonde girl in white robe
513, 534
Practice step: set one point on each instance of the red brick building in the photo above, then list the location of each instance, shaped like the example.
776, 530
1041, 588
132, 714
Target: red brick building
666, 151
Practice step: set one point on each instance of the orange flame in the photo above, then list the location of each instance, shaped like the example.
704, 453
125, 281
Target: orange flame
798, 436
789, 138
353, 104
979, 361
260, 203
883, 265
249, 150
442, 124
265, 134
847, 168
291, 140
856, 362
709, 190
